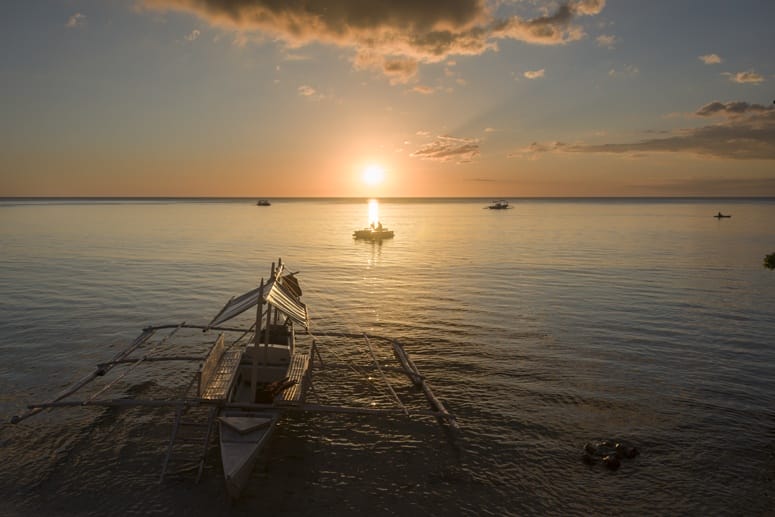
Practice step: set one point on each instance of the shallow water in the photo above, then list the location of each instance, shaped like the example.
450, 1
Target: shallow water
542, 328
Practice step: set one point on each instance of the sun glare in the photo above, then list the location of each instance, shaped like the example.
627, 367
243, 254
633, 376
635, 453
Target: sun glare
373, 175
373, 212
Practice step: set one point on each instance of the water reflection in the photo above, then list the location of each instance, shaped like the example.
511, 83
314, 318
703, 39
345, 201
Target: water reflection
373, 212
374, 232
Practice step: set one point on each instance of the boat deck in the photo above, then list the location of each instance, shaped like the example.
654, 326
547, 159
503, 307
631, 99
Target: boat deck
297, 372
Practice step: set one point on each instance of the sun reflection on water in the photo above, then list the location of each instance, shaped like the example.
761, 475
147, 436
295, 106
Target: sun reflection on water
373, 212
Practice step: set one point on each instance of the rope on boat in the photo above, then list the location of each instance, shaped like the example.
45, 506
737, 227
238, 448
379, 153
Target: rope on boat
387, 383
98, 372
357, 370
133, 365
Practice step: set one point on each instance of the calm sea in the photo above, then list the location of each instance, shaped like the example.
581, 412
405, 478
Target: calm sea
542, 327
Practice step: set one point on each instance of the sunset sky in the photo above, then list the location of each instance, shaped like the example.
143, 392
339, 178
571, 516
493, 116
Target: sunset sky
500, 98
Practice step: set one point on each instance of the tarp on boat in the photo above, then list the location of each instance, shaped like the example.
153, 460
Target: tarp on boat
282, 294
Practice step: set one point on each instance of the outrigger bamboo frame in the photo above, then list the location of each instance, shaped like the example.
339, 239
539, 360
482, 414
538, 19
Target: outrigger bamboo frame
408, 367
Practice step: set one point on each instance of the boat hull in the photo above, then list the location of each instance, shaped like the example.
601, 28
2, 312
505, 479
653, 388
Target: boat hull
373, 235
243, 435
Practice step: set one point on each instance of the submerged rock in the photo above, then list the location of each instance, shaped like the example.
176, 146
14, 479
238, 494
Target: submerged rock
608, 452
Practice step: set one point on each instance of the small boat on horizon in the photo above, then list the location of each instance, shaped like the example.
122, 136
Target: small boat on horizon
373, 233
722, 216
501, 204
263, 202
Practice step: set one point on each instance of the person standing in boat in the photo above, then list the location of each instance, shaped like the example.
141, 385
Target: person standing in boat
379, 226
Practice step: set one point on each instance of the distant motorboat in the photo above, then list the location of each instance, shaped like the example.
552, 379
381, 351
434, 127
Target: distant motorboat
501, 204
721, 216
373, 233
263, 202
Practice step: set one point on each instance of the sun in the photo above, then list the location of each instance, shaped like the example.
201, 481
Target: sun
373, 175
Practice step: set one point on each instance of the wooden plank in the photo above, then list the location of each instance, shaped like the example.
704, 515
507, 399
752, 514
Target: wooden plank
223, 376
210, 364
297, 372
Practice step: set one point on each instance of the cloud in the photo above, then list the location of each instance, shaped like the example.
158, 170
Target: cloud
589, 7
449, 148
606, 41
749, 77
399, 70
626, 71
745, 132
535, 149
534, 74
730, 109
75, 21
393, 38
710, 59
425, 90
310, 93
193, 35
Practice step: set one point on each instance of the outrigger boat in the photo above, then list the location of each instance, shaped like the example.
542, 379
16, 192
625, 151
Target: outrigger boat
244, 383
267, 371
373, 233
499, 205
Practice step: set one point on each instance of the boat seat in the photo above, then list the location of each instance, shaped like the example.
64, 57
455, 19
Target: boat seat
293, 396
223, 378
218, 371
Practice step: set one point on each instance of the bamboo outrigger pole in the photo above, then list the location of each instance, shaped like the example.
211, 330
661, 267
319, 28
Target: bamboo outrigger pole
414, 374
98, 372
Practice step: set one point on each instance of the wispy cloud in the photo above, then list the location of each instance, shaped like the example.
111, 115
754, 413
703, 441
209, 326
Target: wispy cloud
730, 109
745, 132
391, 37
605, 40
449, 148
534, 74
748, 77
310, 93
425, 90
625, 71
75, 21
710, 59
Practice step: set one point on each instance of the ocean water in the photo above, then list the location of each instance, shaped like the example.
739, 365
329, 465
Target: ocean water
542, 328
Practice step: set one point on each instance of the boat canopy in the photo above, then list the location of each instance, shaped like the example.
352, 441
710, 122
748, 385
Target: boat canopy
282, 293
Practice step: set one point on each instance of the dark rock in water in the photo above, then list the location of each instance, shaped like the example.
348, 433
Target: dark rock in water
612, 462
608, 452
